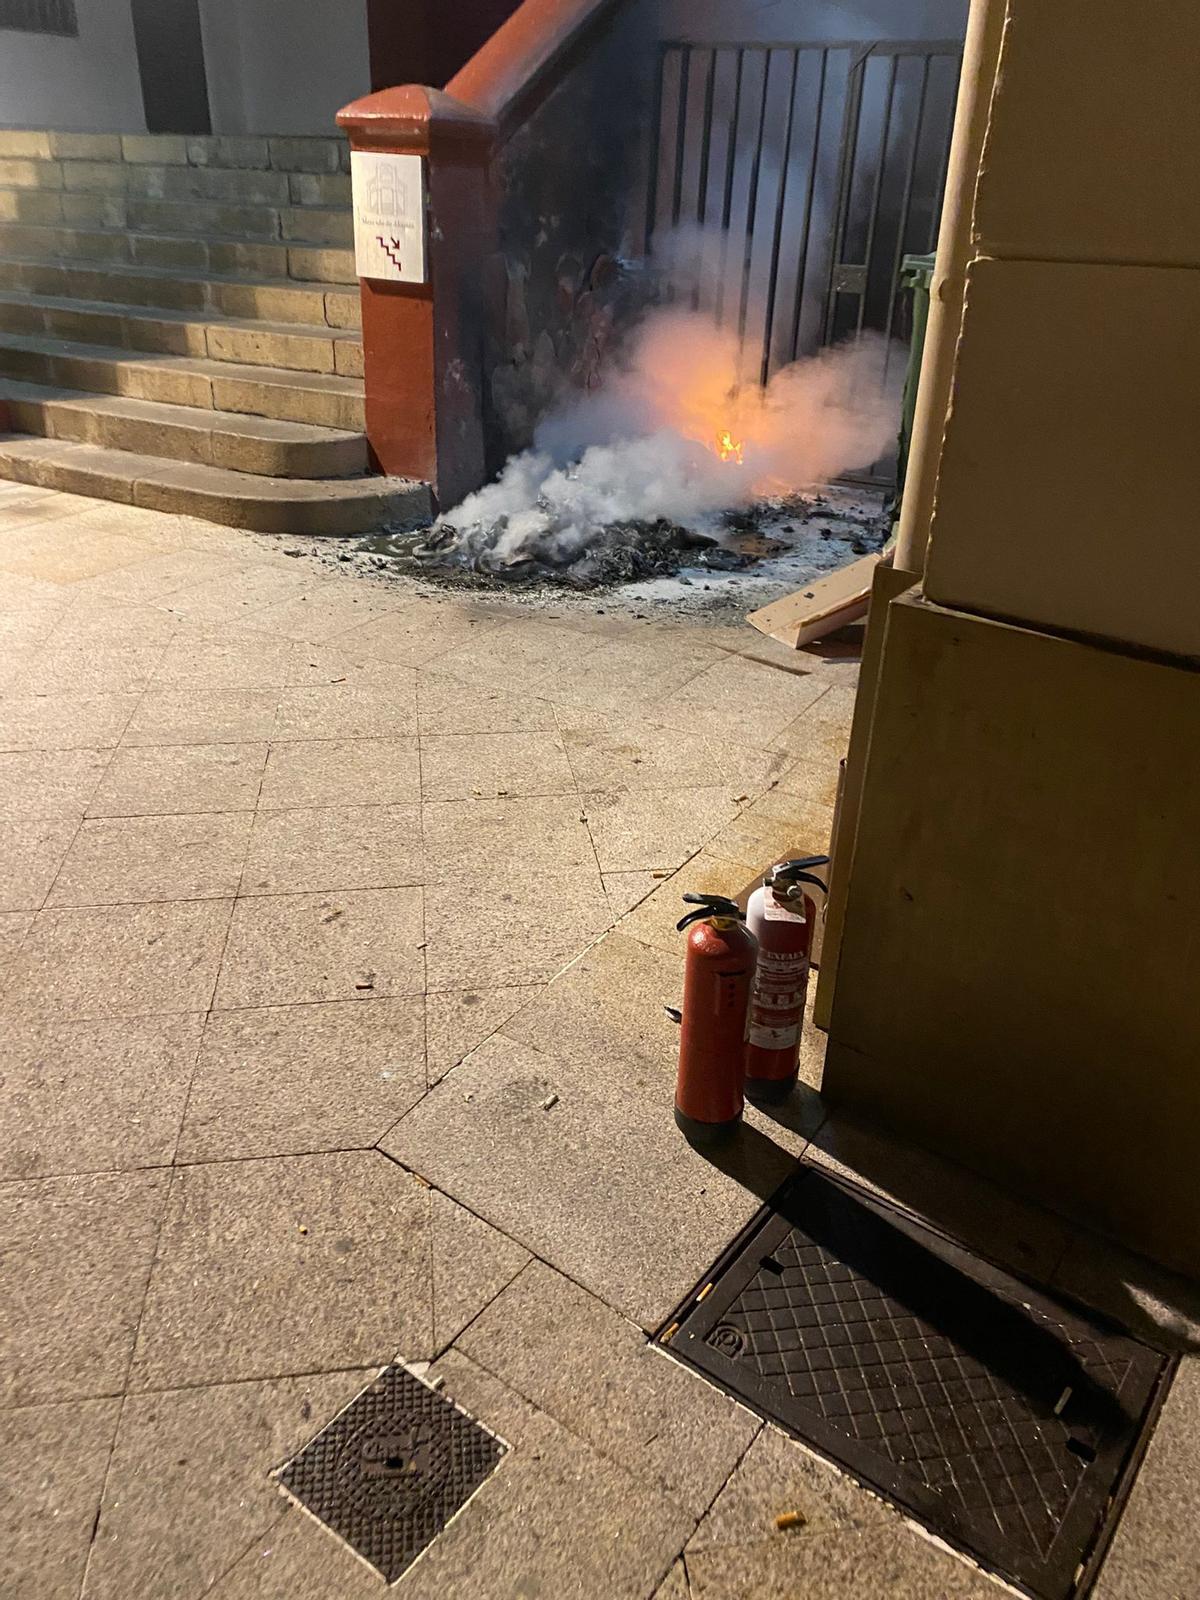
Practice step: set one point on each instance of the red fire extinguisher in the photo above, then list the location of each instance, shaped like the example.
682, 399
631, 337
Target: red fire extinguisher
717, 980
782, 917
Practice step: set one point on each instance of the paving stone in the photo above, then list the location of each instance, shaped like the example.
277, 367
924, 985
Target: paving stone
165, 780
291, 1265
777, 825
456, 767
648, 829
1152, 1303
192, 661
205, 717
643, 755
338, 945
639, 1239
450, 706
322, 612
1001, 1227
837, 1566
596, 1374
62, 669
54, 1459
515, 656
189, 1484
1155, 1553
472, 1264
120, 961
14, 925
458, 1022
122, 859
674, 1586
331, 772
31, 852
534, 945
740, 700
63, 721
418, 635
334, 847
60, 556
345, 711
628, 889
554, 1519
289, 1079
80, 1248
625, 677
49, 783
506, 839
92, 1096
653, 921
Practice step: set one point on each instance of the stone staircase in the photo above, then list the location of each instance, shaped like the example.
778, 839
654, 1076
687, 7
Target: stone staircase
179, 329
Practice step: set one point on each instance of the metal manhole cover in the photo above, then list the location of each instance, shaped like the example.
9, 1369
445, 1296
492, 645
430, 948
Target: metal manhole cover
390, 1471
1007, 1422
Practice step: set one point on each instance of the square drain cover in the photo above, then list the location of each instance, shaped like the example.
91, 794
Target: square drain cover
1004, 1421
390, 1471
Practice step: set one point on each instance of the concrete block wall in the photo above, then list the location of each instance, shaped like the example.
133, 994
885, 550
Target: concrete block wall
1063, 495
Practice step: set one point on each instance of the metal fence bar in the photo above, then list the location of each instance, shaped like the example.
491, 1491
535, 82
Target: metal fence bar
802, 269
847, 159
877, 192
752, 208
910, 176
777, 236
685, 64
727, 197
660, 72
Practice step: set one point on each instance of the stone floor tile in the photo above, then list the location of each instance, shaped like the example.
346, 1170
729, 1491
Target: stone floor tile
528, 944
450, 706
334, 847
895, 1563
644, 829
63, 721
24, 627
58, 554
625, 676
323, 612
740, 700
332, 772
323, 666
169, 779
361, 944
122, 859
94, 623
1155, 1553
203, 717
999, 1226
1154, 1304
120, 961
54, 1458
92, 1096
14, 926
814, 780
189, 1485
417, 635
507, 838
643, 755
14, 665
459, 766
675, 1585
641, 1237
49, 783
776, 1475
628, 889
290, 1265
595, 1373
517, 655
472, 1264
348, 711
156, 578
31, 852
238, 596
653, 920
291, 1079
77, 1256
63, 669
193, 660
458, 1022
776, 825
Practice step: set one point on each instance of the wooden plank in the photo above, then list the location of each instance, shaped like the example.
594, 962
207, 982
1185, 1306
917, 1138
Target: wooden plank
824, 606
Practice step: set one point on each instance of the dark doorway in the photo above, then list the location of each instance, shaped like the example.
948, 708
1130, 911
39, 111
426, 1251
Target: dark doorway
170, 52
427, 41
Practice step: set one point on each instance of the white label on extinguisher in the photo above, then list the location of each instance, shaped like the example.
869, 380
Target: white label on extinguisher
775, 910
777, 1014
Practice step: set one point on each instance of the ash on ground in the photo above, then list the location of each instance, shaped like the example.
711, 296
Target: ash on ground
724, 566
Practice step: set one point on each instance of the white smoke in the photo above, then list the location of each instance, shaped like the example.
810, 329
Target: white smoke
649, 443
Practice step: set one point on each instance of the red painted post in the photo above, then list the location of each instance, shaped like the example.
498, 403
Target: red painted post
423, 343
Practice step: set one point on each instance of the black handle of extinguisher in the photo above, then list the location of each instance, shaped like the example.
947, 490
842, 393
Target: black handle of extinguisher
710, 905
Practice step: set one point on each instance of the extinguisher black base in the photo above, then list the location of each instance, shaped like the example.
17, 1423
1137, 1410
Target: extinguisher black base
769, 1091
706, 1133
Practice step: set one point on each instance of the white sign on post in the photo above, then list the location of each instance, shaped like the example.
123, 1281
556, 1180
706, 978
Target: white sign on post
389, 216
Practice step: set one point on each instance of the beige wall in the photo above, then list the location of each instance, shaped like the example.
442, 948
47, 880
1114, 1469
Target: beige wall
1064, 495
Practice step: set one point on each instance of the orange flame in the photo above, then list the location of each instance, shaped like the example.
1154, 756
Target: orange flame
729, 448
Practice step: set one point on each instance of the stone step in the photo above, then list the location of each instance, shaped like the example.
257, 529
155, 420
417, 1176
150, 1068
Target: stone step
326, 400
287, 153
227, 255
184, 433
229, 185
294, 347
236, 499
309, 225
168, 288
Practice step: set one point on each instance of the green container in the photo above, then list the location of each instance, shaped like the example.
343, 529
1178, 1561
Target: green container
916, 273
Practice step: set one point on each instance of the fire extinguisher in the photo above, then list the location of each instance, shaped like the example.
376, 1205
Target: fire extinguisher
782, 917
717, 980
